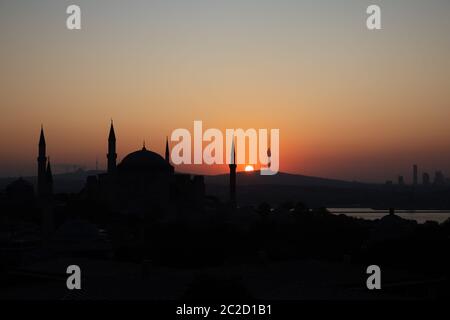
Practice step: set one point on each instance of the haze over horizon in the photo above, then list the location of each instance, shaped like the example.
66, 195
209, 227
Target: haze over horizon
350, 103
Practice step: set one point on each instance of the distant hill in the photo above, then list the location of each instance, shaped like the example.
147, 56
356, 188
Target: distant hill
253, 188
70, 182
282, 179
73, 182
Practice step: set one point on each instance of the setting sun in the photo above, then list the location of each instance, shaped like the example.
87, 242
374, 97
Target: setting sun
249, 168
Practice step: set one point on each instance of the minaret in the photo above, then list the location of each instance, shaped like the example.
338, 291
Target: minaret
233, 166
49, 178
167, 157
112, 155
42, 161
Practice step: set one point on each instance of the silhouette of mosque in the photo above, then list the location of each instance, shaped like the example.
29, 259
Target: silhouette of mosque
145, 181
142, 182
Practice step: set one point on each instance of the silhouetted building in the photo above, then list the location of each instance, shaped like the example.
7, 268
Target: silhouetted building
20, 192
145, 182
425, 179
45, 179
415, 173
401, 181
391, 227
439, 178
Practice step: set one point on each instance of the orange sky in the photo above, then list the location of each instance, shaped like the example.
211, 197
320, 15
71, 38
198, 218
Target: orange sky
349, 103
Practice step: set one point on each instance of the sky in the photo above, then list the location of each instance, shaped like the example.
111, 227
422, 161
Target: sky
350, 103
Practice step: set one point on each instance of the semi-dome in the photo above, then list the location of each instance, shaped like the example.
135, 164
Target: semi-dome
144, 160
20, 184
20, 188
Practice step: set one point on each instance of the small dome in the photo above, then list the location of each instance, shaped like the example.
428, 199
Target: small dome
143, 160
21, 183
20, 186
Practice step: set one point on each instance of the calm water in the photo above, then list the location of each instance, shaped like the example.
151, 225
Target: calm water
370, 214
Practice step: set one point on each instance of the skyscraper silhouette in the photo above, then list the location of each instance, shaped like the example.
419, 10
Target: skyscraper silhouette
425, 179
439, 178
112, 155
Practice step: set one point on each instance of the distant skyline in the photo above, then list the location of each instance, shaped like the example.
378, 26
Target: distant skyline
350, 103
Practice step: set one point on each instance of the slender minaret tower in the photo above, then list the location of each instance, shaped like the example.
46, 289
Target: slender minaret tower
42, 162
167, 157
233, 166
47, 204
112, 155
49, 178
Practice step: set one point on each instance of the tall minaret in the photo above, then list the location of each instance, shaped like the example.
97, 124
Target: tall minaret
49, 178
42, 161
112, 155
167, 157
233, 166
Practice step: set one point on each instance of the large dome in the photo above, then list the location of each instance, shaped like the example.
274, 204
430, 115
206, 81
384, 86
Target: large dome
144, 160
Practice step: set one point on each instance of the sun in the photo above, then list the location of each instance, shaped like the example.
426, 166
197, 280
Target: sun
249, 168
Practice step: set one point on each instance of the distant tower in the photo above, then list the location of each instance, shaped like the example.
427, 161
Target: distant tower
112, 155
233, 166
167, 156
401, 180
42, 162
425, 179
415, 172
439, 178
49, 178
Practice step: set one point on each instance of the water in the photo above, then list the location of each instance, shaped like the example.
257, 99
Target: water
371, 214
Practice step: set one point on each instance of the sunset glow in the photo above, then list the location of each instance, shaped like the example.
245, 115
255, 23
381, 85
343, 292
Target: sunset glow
350, 104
